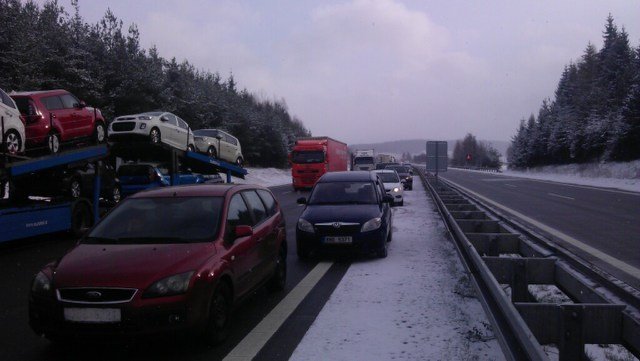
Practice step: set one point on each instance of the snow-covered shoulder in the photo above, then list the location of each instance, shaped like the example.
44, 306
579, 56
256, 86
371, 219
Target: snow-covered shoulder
623, 176
416, 304
266, 177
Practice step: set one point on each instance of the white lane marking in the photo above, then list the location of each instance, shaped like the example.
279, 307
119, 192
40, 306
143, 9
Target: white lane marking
623, 266
253, 342
561, 196
511, 185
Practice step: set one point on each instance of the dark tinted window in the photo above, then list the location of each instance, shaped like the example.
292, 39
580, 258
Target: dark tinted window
69, 101
343, 193
389, 177
307, 157
238, 215
52, 103
160, 221
257, 207
269, 201
25, 105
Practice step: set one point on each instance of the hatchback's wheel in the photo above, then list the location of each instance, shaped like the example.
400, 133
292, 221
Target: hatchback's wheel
75, 188
100, 133
219, 315
190, 148
155, 136
53, 143
13, 142
279, 278
383, 252
239, 162
211, 152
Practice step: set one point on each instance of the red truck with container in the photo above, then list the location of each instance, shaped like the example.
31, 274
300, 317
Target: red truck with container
314, 156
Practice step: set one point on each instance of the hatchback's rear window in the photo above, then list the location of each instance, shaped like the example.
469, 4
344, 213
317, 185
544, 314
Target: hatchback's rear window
389, 177
160, 221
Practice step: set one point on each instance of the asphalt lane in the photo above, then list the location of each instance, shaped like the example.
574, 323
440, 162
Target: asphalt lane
20, 260
606, 219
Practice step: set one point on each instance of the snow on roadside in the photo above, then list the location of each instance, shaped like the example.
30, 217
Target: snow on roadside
624, 176
416, 304
265, 176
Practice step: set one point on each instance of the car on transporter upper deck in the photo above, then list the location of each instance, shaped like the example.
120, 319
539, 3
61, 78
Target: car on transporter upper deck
346, 211
54, 117
155, 127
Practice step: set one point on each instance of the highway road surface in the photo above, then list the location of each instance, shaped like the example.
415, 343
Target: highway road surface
601, 225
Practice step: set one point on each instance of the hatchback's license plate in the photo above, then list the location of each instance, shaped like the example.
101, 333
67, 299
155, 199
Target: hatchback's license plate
92, 315
337, 240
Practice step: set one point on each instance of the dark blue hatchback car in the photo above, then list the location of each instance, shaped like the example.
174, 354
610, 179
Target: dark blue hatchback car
345, 211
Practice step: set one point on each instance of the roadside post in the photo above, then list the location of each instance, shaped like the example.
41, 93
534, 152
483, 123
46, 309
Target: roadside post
437, 159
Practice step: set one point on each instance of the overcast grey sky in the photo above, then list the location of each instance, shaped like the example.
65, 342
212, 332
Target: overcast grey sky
376, 70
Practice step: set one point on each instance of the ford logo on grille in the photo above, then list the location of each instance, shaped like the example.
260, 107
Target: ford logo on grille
336, 224
94, 294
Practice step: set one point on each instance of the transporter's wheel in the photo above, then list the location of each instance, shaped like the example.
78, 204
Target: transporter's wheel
279, 278
219, 323
155, 136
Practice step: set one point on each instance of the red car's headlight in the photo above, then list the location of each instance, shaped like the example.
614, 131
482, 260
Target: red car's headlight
170, 286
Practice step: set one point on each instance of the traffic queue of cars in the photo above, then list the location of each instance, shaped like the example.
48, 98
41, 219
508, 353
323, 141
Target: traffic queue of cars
179, 259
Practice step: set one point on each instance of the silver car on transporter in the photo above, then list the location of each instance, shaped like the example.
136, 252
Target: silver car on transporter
218, 144
158, 127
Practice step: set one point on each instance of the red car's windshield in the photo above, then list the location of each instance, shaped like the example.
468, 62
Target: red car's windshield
160, 221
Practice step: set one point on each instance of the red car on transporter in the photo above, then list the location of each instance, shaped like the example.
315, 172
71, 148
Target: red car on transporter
53, 117
169, 259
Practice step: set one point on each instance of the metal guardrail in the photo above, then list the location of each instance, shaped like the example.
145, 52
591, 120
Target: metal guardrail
498, 251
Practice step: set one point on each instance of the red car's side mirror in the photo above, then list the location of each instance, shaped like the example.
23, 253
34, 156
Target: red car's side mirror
243, 231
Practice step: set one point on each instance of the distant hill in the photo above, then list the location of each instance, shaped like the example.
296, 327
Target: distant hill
418, 146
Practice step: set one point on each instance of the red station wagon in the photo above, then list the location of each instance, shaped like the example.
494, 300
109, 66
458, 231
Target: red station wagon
170, 259
52, 117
